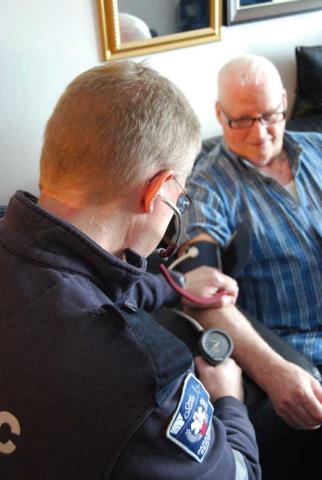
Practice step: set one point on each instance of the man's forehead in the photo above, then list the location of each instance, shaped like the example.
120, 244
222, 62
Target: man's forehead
250, 99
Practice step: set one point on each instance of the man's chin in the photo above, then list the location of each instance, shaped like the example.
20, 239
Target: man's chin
261, 155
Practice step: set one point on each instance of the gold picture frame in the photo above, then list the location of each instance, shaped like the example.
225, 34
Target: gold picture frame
114, 49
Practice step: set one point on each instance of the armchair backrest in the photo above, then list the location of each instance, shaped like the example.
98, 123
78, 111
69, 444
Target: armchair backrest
3, 209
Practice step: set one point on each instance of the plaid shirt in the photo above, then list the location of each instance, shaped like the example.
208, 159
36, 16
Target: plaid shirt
281, 285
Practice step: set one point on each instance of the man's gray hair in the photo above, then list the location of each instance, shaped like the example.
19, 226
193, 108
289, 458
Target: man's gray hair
116, 124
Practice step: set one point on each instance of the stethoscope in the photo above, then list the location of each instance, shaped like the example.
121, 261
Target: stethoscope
215, 345
171, 249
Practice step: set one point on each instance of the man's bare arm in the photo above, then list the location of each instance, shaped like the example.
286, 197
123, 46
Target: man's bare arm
295, 394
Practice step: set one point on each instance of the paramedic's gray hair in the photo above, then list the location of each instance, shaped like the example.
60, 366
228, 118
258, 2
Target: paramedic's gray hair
114, 126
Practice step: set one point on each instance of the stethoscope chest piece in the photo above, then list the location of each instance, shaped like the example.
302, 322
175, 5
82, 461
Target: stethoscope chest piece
215, 345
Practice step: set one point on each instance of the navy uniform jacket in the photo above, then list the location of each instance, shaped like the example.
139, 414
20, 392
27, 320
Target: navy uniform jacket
90, 386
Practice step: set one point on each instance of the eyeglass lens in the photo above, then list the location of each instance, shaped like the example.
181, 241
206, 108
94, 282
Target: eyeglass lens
184, 201
265, 119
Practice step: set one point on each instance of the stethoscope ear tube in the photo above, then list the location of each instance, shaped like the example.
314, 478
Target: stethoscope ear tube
173, 246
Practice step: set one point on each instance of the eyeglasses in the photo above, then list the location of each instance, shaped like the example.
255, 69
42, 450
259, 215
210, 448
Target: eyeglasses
268, 118
184, 200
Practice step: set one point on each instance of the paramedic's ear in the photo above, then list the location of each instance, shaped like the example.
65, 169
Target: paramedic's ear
153, 187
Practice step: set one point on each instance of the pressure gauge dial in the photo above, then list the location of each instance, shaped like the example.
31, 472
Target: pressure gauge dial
215, 345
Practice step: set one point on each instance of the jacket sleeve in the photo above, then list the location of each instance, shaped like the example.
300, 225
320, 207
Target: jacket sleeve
153, 292
240, 434
231, 451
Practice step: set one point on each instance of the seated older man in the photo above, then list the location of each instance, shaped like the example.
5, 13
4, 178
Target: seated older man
270, 181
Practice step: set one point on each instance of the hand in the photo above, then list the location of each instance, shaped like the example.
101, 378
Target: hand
296, 396
205, 282
221, 381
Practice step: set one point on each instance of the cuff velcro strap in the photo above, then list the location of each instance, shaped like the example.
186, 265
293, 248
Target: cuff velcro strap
230, 260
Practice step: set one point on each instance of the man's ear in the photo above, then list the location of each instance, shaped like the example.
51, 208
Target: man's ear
153, 187
284, 99
218, 111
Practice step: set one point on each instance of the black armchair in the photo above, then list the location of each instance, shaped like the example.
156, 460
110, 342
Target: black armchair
2, 210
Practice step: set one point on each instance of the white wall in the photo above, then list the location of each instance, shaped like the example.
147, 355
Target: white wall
44, 44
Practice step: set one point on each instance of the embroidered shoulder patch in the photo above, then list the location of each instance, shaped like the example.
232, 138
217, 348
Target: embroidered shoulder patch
190, 426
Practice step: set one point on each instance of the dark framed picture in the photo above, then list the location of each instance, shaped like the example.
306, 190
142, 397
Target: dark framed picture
240, 11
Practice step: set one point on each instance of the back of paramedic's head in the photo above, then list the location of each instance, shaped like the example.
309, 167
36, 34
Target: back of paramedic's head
113, 127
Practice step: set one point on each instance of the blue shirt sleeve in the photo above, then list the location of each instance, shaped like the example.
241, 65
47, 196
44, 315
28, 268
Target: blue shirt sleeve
214, 193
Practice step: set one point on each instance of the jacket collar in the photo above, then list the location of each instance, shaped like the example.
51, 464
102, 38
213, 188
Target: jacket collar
42, 238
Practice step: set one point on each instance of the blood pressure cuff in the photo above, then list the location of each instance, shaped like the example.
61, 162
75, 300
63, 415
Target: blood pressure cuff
208, 254
230, 260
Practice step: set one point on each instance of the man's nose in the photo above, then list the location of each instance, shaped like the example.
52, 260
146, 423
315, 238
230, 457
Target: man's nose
258, 130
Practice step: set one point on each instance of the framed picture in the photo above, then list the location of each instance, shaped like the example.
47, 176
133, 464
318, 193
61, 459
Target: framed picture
240, 11
135, 27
